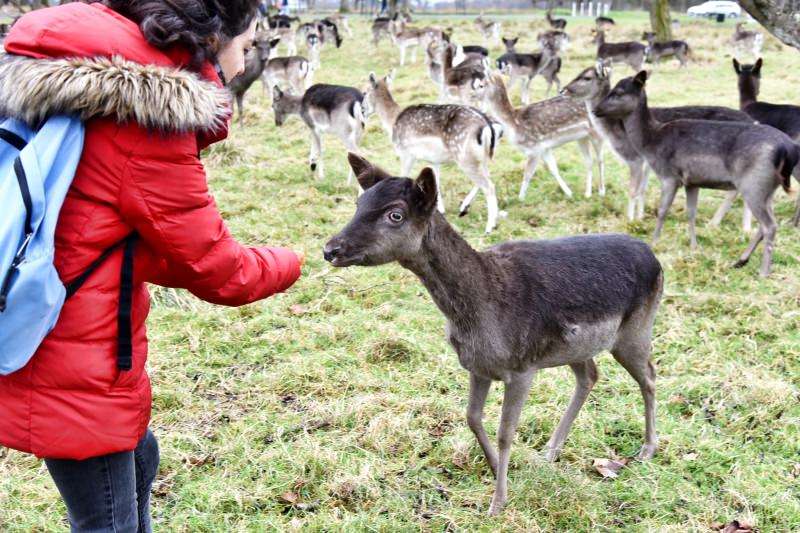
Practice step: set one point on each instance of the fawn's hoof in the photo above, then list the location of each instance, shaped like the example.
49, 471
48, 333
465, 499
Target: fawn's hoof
648, 451
740, 263
551, 455
496, 508
313, 167
463, 212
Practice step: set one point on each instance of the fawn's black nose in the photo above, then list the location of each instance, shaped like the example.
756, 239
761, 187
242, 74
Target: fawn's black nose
329, 252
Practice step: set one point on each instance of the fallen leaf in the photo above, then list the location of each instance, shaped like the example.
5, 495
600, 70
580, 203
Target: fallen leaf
608, 468
692, 456
796, 470
736, 526
680, 400
298, 309
292, 498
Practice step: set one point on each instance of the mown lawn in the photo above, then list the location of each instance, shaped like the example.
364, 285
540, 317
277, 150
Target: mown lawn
339, 406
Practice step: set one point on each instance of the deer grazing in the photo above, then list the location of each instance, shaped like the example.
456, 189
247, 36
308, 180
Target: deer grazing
629, 52
746, 41
539, 127
556, 24
753, 159
324, 108
656, 50
516, 307
785, 117
524, 67
592, 85
438, 134
255, 61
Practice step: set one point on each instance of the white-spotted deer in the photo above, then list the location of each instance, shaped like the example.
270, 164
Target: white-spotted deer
539, 127
438, 134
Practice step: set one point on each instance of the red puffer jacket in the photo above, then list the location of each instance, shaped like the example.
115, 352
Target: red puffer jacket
147, 118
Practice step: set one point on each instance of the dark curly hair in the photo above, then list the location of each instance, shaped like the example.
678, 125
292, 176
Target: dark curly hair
194, 24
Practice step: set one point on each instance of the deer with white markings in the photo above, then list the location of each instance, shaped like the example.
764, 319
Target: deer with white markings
438, 134
523, 68
537, 128
516, 307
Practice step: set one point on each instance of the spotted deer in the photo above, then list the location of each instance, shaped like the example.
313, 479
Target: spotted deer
523, 68
516, 307
490, 31
438, 134
404, 37
630, 52
294, 73
592, 85
466, 82
537, 128
324, 108
753, 159
749, 41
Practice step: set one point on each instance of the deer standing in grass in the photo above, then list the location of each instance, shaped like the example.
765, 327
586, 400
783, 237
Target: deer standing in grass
516, 307
658, 49
438, 134
592, 85
556, 24
753, 159
523, 68
490, 31
539, 127
746, 41
324, 108
294, 72
255, 62
631, 53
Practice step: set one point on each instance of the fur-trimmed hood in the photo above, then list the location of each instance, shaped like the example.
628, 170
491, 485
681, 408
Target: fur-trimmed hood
158, 97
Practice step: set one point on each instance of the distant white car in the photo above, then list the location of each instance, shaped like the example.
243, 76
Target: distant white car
714, 8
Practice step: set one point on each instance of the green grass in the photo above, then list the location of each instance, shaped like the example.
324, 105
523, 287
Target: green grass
350, 415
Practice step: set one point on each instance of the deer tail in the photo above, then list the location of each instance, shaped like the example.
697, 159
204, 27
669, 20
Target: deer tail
786, 158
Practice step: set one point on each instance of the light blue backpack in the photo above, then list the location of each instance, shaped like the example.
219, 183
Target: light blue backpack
36, 170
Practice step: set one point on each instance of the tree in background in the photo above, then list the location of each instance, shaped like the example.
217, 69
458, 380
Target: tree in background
660, 20
344, 6
780, 17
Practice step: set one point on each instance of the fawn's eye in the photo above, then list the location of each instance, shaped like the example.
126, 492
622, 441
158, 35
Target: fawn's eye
395, 217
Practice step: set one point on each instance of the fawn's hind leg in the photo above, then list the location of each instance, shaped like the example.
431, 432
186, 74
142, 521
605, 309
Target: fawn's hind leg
586, 377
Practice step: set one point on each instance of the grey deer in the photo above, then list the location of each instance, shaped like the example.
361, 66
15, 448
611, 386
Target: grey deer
255, 61
658, 49
523, 68
746, 41
438, 134
516, 307
631, 53
592, 85
537, 128
753, 159
324, 108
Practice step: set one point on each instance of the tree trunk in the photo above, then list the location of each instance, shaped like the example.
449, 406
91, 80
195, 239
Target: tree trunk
660, 20
392, 8
780, 17
344, 6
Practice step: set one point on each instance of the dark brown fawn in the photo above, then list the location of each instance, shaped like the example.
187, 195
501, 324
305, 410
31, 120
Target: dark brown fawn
516, 307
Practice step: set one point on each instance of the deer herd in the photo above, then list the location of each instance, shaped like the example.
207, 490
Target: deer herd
524, 305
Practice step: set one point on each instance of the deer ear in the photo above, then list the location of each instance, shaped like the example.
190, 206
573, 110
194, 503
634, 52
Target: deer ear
640, 79
373, 82
736, 66
757, 67
277, 94
424, 191
274, 42
366, 173
391, 76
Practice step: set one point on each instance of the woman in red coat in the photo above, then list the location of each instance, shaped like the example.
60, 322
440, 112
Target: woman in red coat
145, 76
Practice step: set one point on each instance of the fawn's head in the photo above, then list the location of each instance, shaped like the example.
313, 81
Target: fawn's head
283, 105
749, 76
624, 98
391, 218
376, 89
263, 45
589, 83
510, 44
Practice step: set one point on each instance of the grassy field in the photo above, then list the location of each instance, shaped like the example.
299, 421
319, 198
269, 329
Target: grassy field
339, 406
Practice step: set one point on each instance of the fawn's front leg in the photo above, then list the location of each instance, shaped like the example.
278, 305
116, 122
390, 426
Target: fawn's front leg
478, 390
514, 396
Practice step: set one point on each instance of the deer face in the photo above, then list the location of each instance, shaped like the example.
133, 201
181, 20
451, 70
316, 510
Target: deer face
390, 220
588, 83
279, 106
624, 98
749, 76
510, 43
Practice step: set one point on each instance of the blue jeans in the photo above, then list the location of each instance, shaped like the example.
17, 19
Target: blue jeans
109, 493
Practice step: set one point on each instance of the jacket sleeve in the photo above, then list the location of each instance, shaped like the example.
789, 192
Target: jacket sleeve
164, 196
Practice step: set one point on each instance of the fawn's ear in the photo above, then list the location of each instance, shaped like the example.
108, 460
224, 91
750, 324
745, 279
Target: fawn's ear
640, 79
373, 82
424, 192
366, 173
736, 66
757, 67
277, 94
274, 42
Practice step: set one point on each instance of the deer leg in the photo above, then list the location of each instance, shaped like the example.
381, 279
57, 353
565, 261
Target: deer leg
634, 356
514, 396
350, 142
692, 193
402, 55
642, 190
478, 390
597, 143
724, 207
586, 377
439, 199
315, 158
491, 205
668, 189
551, 164
406, 164
413, 54
530, 169
636, 171
464, 208
240, 104
583, 144
767, 227
796, 217
526, 90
